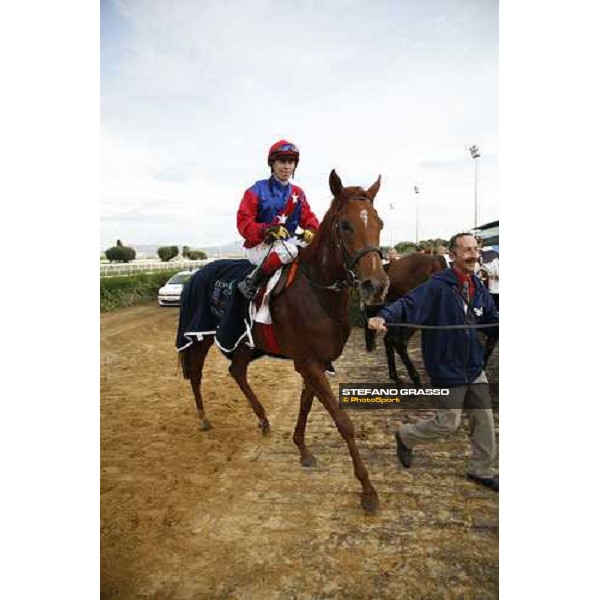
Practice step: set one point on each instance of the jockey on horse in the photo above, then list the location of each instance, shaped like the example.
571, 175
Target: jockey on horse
268, 216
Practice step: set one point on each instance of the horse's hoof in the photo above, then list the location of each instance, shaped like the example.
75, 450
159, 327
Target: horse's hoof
308, 461
370, 502
205, 425
265, 427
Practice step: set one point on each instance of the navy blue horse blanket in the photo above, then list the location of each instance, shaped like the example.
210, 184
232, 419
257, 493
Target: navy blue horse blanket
212, 305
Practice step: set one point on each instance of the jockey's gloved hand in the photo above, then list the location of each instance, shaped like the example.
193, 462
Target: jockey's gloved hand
308, 236
276, 232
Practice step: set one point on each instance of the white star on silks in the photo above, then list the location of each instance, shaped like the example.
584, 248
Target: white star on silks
281, 219
295, 198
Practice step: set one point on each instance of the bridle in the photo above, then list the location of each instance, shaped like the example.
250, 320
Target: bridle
349, 260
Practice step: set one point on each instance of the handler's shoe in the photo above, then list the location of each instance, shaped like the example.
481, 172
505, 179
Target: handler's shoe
403, 452
492, 483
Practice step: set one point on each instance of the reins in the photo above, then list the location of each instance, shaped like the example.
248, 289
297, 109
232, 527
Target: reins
416, 326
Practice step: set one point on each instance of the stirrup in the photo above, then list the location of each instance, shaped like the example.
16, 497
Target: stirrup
248, 287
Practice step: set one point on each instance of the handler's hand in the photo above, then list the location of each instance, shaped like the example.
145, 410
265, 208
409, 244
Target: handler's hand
377, 323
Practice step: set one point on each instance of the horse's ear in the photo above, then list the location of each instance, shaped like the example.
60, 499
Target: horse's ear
335, 184
372, 191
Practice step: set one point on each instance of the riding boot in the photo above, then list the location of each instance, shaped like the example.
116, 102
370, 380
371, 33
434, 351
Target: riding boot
252, 283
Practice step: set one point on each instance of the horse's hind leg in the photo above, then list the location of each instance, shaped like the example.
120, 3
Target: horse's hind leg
239, 371
402, 348
193, 362
306, 400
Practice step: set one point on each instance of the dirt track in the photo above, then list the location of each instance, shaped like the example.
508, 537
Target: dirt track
232, 514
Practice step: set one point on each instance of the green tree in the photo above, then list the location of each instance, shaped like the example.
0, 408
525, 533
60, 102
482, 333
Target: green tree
196, 255
166, 253
405, 247
120, 253
185, 251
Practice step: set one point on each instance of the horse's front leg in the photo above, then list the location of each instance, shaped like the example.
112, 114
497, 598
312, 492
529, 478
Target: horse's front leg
306, 400
402, 347
388, 342
313, 374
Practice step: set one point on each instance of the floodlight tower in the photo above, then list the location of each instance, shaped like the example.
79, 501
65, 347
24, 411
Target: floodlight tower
475, 155
416, 189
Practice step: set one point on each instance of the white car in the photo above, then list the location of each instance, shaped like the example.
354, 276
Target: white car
170, 293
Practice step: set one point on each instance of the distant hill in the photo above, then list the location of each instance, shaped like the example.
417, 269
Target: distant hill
226, 249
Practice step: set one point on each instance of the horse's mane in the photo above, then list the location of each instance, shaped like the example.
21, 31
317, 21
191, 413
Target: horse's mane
323, 235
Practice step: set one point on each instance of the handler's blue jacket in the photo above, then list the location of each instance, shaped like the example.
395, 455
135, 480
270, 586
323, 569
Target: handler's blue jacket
452, 356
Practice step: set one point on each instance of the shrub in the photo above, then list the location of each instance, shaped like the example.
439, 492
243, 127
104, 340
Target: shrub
196, 255
405, 247
120, 253
166, 253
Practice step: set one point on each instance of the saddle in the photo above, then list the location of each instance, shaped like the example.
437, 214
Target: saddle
288, 275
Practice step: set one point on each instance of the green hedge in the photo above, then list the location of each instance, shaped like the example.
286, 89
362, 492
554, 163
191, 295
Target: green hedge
128, 290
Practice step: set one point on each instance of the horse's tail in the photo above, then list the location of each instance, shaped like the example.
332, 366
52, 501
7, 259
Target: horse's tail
370, 335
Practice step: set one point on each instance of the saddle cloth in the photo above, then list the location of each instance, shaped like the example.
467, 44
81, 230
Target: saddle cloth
212, 305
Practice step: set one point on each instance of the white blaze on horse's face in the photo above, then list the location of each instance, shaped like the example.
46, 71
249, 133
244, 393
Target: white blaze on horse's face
360, 228
364, 216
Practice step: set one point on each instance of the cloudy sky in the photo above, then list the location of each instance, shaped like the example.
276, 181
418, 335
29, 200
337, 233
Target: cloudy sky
193, 93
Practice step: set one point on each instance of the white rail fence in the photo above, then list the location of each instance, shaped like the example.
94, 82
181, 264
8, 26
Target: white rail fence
138, 266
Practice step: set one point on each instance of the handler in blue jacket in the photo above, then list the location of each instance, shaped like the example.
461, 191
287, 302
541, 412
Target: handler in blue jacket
453, 357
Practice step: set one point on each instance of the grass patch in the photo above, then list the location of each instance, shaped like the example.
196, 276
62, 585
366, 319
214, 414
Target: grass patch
128, 290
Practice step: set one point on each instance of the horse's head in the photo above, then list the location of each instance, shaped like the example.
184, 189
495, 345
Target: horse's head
356, 228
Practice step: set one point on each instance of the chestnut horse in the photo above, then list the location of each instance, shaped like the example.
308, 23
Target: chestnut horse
406, 274
311, 318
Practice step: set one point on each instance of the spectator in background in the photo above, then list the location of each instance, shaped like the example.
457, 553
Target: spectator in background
491, 270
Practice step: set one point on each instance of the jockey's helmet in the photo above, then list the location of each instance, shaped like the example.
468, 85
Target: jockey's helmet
282, 149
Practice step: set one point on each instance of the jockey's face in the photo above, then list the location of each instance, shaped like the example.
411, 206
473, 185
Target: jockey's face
466, 253
283, 168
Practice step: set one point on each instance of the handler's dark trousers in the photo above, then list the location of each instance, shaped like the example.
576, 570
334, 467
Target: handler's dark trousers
447, 421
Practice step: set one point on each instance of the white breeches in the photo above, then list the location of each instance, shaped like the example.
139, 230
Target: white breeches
287, 250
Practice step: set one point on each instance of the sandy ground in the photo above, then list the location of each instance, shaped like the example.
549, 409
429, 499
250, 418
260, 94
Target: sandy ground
230, 513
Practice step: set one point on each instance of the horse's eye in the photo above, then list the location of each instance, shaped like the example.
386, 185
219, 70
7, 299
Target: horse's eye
345, 226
